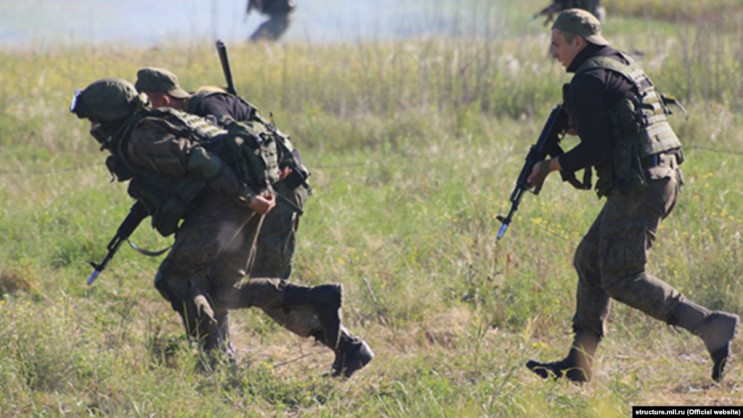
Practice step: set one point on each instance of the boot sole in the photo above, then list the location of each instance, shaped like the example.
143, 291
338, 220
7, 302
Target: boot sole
543, 370
720, 355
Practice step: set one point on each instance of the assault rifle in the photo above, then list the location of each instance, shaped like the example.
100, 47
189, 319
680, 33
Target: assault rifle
298, 174
548, 144
136, 214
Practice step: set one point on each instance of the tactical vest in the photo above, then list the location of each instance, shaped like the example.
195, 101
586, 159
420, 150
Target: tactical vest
167, 198
287, 155
637, 126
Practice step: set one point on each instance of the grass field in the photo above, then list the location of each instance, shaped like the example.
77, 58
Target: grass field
414, 147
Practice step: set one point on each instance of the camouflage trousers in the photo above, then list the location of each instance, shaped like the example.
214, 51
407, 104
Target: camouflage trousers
204, 274
277, 239
611, 259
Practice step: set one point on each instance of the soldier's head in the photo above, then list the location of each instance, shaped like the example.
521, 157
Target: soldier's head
161, 87
107, 103
572, 31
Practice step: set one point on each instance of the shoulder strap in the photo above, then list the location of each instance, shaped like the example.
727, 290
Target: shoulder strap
632, 72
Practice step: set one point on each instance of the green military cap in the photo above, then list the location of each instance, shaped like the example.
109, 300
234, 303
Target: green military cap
582, 23
159, 80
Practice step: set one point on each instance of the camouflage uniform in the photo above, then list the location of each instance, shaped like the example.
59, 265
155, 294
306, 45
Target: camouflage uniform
277, 239
162, 153
621, 121
215, 244
611, 258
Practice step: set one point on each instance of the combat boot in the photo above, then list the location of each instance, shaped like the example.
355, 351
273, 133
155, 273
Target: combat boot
352, 354
325, 301
576, 367
716, 329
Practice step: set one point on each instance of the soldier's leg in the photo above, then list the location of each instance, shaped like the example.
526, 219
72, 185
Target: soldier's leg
273, 28
628, 233
307, 312
206, 238
623, 258
592, 309
277, 238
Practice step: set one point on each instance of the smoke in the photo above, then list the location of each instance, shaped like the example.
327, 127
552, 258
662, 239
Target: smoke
147, 23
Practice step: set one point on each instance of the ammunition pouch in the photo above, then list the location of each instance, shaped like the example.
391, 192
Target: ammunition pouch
250, 151
167, 200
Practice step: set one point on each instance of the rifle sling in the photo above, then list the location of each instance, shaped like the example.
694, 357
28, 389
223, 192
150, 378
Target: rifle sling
570, 177
148, 253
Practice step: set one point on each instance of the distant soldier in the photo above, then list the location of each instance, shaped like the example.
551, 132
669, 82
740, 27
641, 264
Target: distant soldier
279, 18
592, 6
210, 186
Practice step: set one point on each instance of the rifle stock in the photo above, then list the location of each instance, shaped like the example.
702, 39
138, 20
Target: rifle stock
547, 144
136, 214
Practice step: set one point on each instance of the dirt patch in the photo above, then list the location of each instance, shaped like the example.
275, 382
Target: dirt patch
12, 282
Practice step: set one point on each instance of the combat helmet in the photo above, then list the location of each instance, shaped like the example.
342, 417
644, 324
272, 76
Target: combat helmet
107, 100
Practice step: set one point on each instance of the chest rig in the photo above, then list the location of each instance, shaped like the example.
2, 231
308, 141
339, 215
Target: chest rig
638, 127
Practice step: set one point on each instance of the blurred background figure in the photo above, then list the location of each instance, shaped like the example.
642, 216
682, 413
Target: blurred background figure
279, 17
593, 6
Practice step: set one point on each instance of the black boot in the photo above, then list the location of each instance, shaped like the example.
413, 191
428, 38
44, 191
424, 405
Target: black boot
716, 329
576, 367
325, 301
352, 354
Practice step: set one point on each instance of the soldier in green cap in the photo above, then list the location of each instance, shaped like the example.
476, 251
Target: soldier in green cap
592, 6
620, 119
185, 171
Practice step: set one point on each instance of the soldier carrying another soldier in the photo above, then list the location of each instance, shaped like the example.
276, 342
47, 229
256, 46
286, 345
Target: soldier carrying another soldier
183, 170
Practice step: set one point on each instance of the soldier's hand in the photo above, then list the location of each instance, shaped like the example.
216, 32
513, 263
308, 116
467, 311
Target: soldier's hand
540, 171
262, 204
284, 173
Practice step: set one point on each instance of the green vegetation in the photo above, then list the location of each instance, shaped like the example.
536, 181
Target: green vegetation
414, 148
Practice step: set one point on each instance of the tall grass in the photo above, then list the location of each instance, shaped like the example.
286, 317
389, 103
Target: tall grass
414, 148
